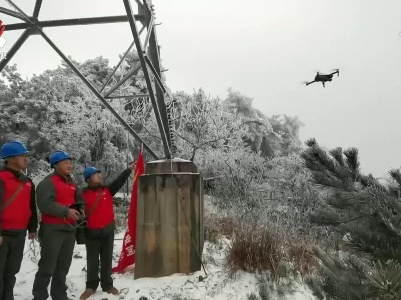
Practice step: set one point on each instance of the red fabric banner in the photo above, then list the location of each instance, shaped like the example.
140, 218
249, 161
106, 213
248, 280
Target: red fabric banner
127, 256
2, 28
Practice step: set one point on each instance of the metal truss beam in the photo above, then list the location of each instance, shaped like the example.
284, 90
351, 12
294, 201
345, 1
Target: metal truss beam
120, 62
117, 66
10, 54
162, 129
36, 10
129, 96
155, 74
11, 13
35, 26
70, 22
99, 96
127, 76
150, 30
154, 54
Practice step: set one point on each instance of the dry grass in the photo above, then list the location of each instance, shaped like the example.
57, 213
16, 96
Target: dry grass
217, 227
254, 250
303, 259
258, 250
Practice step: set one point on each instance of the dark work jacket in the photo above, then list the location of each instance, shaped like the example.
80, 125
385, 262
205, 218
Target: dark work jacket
49, 203
112, 188
33, 221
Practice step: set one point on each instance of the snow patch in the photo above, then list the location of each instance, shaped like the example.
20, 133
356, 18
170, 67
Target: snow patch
216, 285
175, 159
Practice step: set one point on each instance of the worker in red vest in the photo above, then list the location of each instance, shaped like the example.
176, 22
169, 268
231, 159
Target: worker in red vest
61, 205
17, 214
100, 229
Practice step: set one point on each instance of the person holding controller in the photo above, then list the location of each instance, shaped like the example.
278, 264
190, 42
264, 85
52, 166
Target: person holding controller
61, 204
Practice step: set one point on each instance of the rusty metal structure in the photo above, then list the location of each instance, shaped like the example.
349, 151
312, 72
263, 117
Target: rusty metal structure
148, 53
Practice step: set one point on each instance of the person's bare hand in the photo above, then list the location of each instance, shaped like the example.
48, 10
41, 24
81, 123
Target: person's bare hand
82, 213
32, 235
132, 166
72, 214
1, 240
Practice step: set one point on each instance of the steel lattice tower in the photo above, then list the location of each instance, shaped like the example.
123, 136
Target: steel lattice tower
148, 54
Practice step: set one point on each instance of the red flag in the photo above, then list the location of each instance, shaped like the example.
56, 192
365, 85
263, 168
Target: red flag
2, 28
127, 256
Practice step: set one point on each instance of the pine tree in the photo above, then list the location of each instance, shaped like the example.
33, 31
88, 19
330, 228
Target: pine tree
367, 215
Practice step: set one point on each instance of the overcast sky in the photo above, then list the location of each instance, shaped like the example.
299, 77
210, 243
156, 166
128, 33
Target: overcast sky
264, 49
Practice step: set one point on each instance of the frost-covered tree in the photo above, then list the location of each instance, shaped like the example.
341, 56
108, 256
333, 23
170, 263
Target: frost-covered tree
269, 136
366, 215
55, 110
202, 124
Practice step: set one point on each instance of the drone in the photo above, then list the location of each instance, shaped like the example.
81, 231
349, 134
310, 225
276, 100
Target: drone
324, 77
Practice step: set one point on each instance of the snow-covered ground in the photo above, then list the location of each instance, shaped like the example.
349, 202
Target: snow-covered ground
217, 285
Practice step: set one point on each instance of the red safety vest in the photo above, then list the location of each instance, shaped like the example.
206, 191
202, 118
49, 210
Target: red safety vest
103, 214
17, 214
65, 196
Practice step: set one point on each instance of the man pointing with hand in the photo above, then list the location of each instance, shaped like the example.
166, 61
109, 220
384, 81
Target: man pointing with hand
61, 205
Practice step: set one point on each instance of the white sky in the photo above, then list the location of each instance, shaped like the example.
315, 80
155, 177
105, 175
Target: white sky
265, 49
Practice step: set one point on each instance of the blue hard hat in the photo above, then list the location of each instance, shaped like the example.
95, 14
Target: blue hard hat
13, 149
57, 157
89, 171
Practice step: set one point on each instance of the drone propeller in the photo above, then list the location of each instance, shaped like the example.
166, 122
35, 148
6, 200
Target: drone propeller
307, 82
336, 70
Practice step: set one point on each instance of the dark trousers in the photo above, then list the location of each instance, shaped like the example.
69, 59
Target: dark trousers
101, 246
57, 247
11, 253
